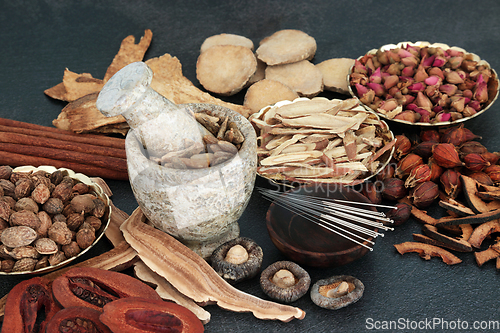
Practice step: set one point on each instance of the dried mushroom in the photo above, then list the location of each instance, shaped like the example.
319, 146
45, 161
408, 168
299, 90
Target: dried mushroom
337, 292
238, 259
285, 281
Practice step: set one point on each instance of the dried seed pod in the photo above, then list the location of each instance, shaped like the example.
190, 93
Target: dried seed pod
41, 193
400, 213
8, 187
57, 258
23, 188
492, 158
46, 246
5, 211
24, 265
372, 192
472, 147
493, 171
424, 149
402, 146
424, 194
430, 136
78, 319
446, 155
75, 220
436, 170
393, 189
408, 163
5, 172
99, 208
70, 250
81, 188
482, 178
475, 162
42, 263
387, 172
63, 190
18, 236
60, 233
85, 237
7, 265
419, 174
21, 252
455, 136
83, 203
94, 222
452, 185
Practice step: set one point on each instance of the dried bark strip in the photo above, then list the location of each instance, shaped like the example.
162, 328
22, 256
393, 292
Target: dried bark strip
458, 244
482, 231
192, 275
426, 251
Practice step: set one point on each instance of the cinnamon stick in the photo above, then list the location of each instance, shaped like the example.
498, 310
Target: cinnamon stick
7, 125
24, 139
15, 159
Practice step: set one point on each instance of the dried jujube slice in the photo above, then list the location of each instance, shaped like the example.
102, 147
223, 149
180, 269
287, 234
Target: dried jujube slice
24, 302
76, 319
94, 288
140, 315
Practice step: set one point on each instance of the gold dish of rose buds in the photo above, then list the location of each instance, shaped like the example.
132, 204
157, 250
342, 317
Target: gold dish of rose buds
423, 84
321, 141
94, 189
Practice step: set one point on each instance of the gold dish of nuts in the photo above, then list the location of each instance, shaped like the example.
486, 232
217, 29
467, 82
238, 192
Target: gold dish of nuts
320, 140
423, 84
48, 218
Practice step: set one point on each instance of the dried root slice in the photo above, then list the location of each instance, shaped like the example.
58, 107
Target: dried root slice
335, 73
457, 244
473, 219
426, 251
167, 292
470, 190
431, 241
482, 231
192, 275
260, 73
456, 208
226, 39
487, 255
225, 69
302, 76
286, 46
267, 92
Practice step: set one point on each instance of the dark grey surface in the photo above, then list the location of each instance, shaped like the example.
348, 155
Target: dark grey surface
38, 39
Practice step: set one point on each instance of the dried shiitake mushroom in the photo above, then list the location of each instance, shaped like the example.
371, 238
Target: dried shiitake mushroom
285, 281
337, 292
238, 259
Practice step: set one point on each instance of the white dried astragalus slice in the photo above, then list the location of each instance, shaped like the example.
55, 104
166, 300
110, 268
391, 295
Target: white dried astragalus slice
267, 92
335, 73
225, 69
286, 46
226, 39
260, 73
301, 76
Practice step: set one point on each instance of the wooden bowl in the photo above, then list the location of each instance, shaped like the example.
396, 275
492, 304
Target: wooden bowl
307, 243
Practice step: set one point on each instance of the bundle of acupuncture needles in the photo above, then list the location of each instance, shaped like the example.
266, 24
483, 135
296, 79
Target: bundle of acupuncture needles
338, 216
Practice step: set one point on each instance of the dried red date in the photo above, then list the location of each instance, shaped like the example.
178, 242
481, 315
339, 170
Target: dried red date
93, 288
136, 314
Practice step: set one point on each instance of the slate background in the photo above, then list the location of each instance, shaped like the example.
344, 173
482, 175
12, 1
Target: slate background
38, 39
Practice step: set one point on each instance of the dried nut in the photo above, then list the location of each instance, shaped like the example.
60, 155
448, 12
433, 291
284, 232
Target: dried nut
99, 208
393, 189
24, 265
63, 190
24, 252
408, 163
8, 188
45, 223
475, 162
9, 200
83, 203
446, 155
81, 188
41, 194
57, 258
402, 146
53, 206
337, 292
400, 213
75, 220
419, 174
42, 263
227, 147
291, 283
94, 222
71, 250
18, 236
424, 194
5, 172
452, 185
46, 246
26, 203
26, 218
7, 265
5, 210
60, 233
85, 237
23, 188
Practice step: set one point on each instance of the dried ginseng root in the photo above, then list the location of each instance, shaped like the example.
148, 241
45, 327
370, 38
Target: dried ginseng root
225, 69
286, 46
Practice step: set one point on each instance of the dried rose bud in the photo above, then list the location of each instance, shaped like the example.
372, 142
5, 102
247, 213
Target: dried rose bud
393, 189
402, 146
424, 194
436, 170
446, 155
493, 171
419, 174
424, 149
400, 214
450, 180
407, 164
430, 135
475, 162
407, 115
